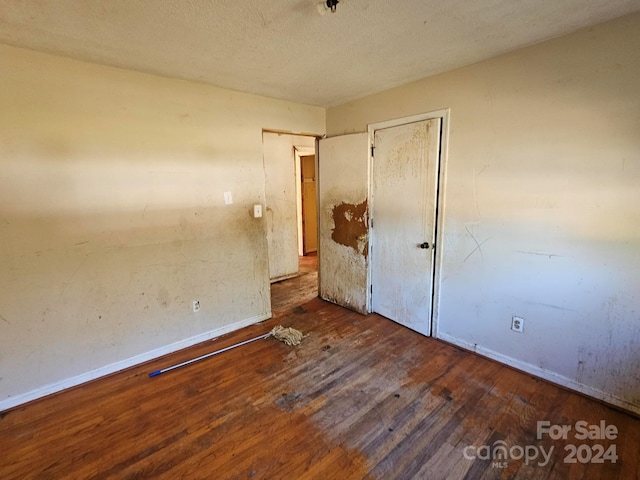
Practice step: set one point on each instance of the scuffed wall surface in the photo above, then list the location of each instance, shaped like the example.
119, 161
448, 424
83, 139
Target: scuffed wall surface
344, 221
541, 216
112, 213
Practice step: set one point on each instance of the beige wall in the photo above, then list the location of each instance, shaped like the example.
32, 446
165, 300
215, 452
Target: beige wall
541, 205
112, 216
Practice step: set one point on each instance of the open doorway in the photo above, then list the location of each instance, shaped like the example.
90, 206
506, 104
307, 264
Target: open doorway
308, 218
306, 193
291, 218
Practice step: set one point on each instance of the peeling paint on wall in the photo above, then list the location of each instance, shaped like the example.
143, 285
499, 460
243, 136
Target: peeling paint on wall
344, 224
563, 222
351, 226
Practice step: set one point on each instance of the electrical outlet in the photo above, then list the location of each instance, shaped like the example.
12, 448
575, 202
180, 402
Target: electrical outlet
517, 324
196, 306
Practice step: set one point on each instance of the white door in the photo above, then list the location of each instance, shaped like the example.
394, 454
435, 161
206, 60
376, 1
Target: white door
343, 186
404, 191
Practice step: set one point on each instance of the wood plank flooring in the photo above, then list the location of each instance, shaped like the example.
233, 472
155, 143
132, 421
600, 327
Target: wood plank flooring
288, 294
361, 397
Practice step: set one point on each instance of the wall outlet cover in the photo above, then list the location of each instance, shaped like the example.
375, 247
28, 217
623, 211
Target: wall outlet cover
517, 324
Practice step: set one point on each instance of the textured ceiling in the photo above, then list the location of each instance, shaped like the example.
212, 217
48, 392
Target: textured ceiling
285, 48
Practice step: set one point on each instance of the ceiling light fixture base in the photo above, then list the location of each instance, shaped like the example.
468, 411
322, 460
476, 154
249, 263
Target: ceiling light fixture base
328, 5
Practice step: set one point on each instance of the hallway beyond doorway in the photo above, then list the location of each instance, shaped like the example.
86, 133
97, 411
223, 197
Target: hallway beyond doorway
288, 294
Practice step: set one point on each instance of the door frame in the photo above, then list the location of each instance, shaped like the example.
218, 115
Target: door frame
297, 148
443, 115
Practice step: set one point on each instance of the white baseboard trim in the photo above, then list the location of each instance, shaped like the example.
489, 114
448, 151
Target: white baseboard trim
284, 277
45, 390
542, 373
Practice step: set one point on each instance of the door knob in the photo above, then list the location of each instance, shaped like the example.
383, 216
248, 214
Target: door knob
424, 245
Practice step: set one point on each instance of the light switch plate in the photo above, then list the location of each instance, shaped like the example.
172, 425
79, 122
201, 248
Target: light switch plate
257, 211
227, 198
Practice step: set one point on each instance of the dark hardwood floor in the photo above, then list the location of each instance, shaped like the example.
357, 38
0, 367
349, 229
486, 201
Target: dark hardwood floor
361, 397
288, 294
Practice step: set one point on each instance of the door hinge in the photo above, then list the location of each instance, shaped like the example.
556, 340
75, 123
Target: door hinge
373, 149
371, 289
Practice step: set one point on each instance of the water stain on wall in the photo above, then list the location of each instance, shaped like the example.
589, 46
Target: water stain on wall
350, 226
